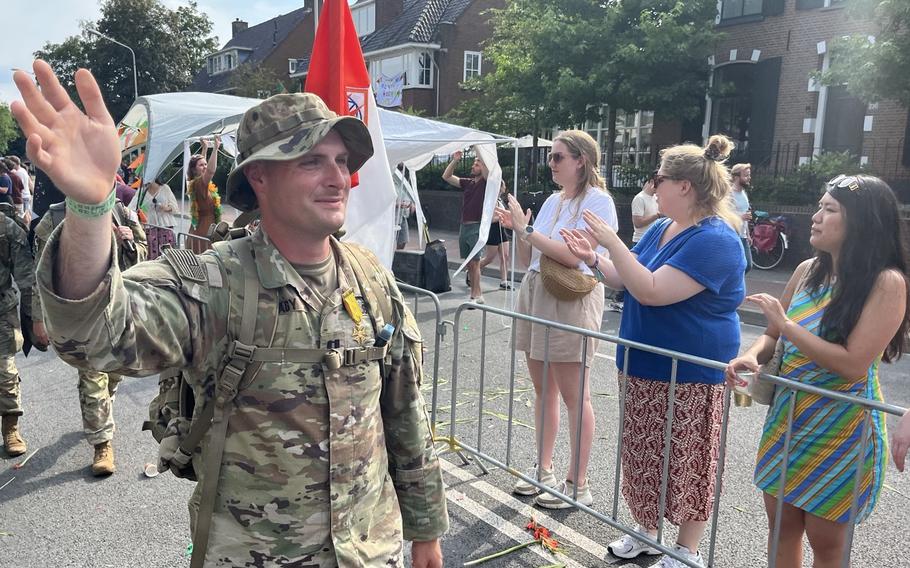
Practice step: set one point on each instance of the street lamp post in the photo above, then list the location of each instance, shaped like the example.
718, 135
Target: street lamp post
133, 53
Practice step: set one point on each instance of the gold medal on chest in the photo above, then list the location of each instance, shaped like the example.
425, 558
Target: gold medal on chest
352, 307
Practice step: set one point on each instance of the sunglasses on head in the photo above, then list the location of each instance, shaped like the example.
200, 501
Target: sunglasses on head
842, 181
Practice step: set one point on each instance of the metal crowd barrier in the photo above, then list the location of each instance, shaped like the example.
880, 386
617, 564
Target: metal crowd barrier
612, 518
183, 240
440, 332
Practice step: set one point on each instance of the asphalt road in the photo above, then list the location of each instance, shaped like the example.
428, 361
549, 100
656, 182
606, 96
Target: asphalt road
54, 513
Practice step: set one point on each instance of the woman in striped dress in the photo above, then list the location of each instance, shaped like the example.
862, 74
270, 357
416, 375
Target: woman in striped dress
841, 314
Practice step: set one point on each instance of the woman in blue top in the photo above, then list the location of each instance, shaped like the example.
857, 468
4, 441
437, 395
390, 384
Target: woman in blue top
684, 281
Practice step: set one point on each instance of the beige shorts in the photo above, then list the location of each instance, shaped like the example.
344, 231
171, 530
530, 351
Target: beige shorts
564, 347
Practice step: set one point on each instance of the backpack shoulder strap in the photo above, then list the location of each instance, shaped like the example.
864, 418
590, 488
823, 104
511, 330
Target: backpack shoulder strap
364, 263
214, 417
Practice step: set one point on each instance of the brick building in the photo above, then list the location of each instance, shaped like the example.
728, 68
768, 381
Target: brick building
268, 44
418, 52
763, 97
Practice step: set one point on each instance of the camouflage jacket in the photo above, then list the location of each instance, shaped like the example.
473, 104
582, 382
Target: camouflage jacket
125, 258
321, 467
16, 263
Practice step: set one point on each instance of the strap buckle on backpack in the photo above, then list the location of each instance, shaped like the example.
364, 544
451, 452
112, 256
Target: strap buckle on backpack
241, 356
336, 358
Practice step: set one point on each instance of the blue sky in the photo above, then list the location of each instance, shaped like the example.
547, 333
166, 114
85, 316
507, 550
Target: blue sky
30, 23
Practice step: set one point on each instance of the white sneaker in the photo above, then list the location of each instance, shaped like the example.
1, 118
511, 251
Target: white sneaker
630, 547
547, 478
667, 562
479, 300
567, 488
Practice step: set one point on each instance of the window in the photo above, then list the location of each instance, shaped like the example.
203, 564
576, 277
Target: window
844, 116
230, 61
425, 69
739, 8
633, 136
472, 61
364, 16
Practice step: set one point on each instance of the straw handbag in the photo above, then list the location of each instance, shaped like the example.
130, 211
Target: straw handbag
564, 283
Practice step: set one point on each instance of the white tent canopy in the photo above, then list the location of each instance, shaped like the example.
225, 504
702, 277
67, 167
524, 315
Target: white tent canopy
173, 118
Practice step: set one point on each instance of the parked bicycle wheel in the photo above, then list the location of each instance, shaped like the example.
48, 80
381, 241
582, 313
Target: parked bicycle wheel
770, 258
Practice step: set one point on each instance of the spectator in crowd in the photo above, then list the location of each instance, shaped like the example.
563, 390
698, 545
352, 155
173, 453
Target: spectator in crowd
404, 206
16, 188
498, 243
841, 313
644, 209
683, 282
6, 184
159, 205
742, 178
19, 170
575, 165
205, 202
474, 189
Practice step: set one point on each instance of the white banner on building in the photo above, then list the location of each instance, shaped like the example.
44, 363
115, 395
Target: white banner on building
389, 89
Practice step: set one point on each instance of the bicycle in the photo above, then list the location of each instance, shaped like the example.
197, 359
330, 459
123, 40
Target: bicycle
769, 239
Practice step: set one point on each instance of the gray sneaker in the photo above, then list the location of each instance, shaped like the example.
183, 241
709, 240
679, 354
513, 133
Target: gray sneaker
547, 478
567, 488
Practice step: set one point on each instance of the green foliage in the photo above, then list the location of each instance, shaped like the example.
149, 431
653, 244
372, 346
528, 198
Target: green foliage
555, 62
256, 81
879, 69
804, 185
9, 130
170, 47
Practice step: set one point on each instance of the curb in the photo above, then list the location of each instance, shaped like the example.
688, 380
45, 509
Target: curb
746, 316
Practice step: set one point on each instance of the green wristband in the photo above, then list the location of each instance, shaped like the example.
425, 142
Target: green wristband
92, 211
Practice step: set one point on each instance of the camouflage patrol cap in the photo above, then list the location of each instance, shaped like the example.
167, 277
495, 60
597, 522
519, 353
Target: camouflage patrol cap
284, 127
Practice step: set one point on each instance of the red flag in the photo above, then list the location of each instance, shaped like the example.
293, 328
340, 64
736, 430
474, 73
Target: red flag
338, 74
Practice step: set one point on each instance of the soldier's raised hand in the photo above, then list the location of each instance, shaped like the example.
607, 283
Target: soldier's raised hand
79, 151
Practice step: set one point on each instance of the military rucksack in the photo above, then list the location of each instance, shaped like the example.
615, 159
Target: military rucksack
172, 419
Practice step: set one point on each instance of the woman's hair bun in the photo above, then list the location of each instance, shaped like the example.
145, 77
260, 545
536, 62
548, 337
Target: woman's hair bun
718, 148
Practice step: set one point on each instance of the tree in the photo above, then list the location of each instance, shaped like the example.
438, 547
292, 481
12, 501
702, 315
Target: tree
9, 130
256, 81
170, 47
557, 62
875, 67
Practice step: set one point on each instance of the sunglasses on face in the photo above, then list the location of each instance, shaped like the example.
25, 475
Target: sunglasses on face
556, 157
842, 181
660, 179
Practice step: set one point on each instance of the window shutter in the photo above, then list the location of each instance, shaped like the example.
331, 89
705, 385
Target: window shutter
772, 7
809, 4
764, 111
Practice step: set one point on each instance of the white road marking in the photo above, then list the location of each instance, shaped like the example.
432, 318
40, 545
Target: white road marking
566, 533
505, 527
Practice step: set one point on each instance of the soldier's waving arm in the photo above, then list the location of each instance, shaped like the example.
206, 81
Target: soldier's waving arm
80, 152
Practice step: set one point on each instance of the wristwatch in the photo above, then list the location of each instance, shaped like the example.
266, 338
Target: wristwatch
528, 230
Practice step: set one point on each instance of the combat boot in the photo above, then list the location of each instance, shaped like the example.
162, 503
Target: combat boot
12, 441
103, 462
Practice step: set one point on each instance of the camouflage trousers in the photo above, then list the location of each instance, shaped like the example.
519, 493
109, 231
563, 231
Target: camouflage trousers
10, 398
96, 399
10, 344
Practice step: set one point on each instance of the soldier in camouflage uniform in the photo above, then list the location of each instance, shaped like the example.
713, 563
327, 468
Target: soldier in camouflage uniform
325, 463
96, 389
15, 264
